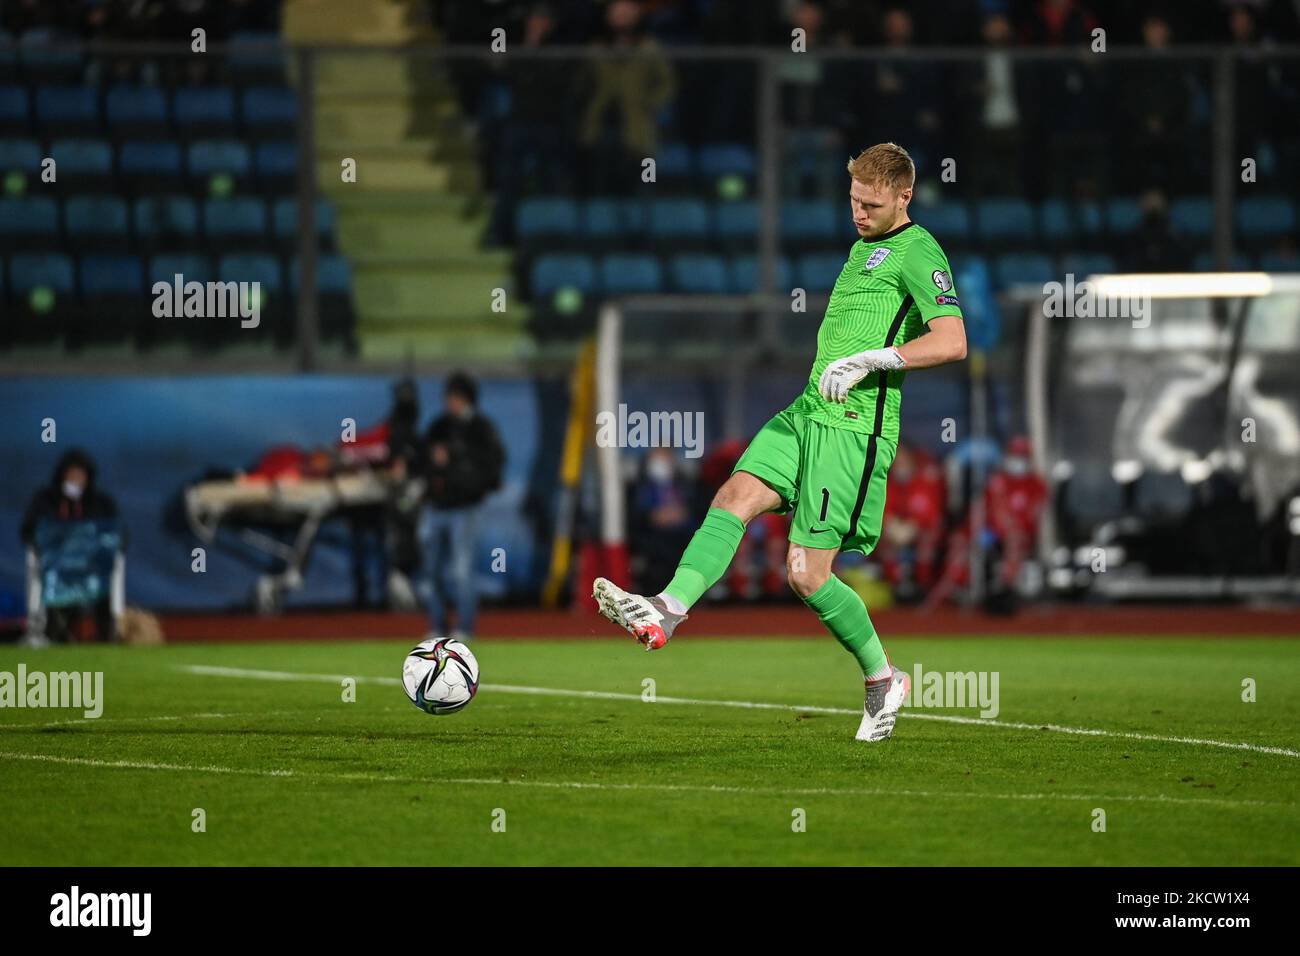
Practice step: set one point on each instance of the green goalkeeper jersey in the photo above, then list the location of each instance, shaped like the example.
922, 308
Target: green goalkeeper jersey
888, 289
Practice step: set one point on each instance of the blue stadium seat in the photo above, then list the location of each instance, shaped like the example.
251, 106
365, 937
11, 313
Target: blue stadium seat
555, 271
699, 274
1123, 215
204, 109
1192, 216
115, 275
15, 109
284, 220
1240, 262
1279, 262
720, 159
150, 161
818, 271
50, 270
949, 221
96, 221
537, 218
674, 161
613, 218
29, 222
20, 155
256, 57
630, 274
745, 275
1004, 218
210, 157
136, 109
1265, 217
166, 221
979, 304
809, 219
191, 268
276, 163
679, 219
241, 220
265, 106
249, 267
333, 275
736, 220
1056, 219
1029, 268
1084, 264
88, 161
60, 108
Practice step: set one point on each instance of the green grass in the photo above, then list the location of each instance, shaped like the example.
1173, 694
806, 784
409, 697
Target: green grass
378, 782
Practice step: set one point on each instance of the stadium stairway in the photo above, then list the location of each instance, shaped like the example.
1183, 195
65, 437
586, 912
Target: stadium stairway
411, 224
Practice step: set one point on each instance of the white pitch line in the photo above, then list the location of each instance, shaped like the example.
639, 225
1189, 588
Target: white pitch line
95, 721
212, 671
657, 787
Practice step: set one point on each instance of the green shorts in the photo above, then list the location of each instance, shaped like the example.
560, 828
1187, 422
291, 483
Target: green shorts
833, 478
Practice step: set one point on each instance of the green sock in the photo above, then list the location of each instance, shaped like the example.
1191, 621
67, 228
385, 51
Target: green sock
706, 558
842, 611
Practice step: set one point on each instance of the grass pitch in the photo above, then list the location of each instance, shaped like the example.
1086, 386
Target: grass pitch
287, 772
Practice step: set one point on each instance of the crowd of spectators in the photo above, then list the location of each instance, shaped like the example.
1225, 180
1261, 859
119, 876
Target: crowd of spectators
139, 19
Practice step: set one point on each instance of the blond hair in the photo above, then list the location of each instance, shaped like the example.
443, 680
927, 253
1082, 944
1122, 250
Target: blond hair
884, 165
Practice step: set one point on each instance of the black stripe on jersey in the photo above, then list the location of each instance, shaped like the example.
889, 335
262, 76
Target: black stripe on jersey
869, 465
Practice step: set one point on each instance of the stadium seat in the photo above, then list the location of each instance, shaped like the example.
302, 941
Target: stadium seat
1004, 218
333, 297
979, 305
218, 157
546, 218
276, 164
818, 271
720, 159
265, 271
270, 107
155, 330
29, 223
699, 274
112, 288
948, 221
1279, 262
555, 271
1123, 215
51, 270
48, 56
96, 222
15, 110
203, 111
256, 58
20, 155
736, 220
1083, 264
136, 111
674, 161
630, 274
1192, 216
1024, 269
1264, 217
33, 319
744, 275
1056, 220
284, 222
613, 219
84, 165
67, 109
166, 222
240, 221
809, 220
151, 167
191, 268
679, 219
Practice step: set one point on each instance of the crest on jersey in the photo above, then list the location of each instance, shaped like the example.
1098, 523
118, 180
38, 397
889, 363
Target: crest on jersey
876, 258
942, 280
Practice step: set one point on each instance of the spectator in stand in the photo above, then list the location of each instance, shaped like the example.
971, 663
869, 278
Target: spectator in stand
661, 514
463, 464
912, 536
1155, 247
74, 556
758, 569
619, 127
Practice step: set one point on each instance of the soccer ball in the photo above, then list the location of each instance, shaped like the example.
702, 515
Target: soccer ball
440, 676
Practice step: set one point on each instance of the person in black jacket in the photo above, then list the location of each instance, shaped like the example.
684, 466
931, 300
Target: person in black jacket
71, 497
462, 466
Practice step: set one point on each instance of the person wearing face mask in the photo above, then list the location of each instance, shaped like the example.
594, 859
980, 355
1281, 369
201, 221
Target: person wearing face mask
660, 514
60, 519
462, 465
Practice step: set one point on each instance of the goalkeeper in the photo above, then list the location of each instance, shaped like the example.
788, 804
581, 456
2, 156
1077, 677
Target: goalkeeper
825, 457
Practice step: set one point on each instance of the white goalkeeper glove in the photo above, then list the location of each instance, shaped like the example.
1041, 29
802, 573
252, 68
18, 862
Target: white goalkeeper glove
842, 374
